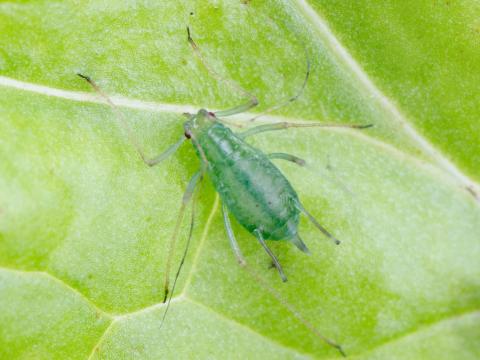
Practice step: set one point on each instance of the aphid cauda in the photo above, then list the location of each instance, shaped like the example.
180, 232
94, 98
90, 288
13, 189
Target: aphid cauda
252, 189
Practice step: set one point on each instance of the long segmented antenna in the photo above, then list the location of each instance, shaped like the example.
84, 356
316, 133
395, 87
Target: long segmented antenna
184, 256
120, 117
233, 85
292, 98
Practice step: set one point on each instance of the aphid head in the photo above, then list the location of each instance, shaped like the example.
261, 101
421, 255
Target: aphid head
198, 123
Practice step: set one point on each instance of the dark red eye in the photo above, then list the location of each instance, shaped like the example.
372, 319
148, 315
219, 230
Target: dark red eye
211, 114
188, 135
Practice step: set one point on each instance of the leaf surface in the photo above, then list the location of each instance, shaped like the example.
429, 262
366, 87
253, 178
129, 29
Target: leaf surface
85, 225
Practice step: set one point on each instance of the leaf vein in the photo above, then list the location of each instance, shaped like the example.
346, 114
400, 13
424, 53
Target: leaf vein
62, 283
245, 327
343, 55
422, 328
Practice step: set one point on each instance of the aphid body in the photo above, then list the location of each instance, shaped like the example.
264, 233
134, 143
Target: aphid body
253, 189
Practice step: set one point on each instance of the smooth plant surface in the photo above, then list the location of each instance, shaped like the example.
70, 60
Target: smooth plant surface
84, 224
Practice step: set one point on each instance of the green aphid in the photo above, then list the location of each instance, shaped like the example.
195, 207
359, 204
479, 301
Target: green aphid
251, 187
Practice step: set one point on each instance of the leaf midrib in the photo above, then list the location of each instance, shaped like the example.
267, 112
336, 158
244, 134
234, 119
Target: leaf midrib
239, 120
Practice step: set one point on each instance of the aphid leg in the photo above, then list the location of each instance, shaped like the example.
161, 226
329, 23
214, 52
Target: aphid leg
238, 109
315, 222
286, 125
287, 157
124, 125
265, 285
231, 237
184, 256
252, 102
259, 236
171, 249
164, 155
298, 242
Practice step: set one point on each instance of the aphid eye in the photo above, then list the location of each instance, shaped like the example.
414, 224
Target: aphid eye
211, 114
188, 135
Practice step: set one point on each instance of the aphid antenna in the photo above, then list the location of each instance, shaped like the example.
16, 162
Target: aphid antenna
294, 97
118, 114
252, 102
120, 117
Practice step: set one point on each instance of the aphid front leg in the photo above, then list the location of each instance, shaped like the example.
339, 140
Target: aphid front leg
261, 240
231, 237
287, 157
164, 155
124, 125
171, 248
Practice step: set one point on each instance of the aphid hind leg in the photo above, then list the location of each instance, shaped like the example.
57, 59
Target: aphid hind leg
261, 240
287, 157
267, 287
252, 102
285, 125
231, 237
316, 223
124, 125
171, 248
289, 307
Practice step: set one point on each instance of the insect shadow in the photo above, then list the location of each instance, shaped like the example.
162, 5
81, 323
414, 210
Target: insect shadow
251, 187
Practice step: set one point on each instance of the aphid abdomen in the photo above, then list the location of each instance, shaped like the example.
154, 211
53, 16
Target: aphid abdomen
254, 190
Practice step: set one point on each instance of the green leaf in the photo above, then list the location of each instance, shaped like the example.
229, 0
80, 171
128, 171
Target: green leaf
85, 225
